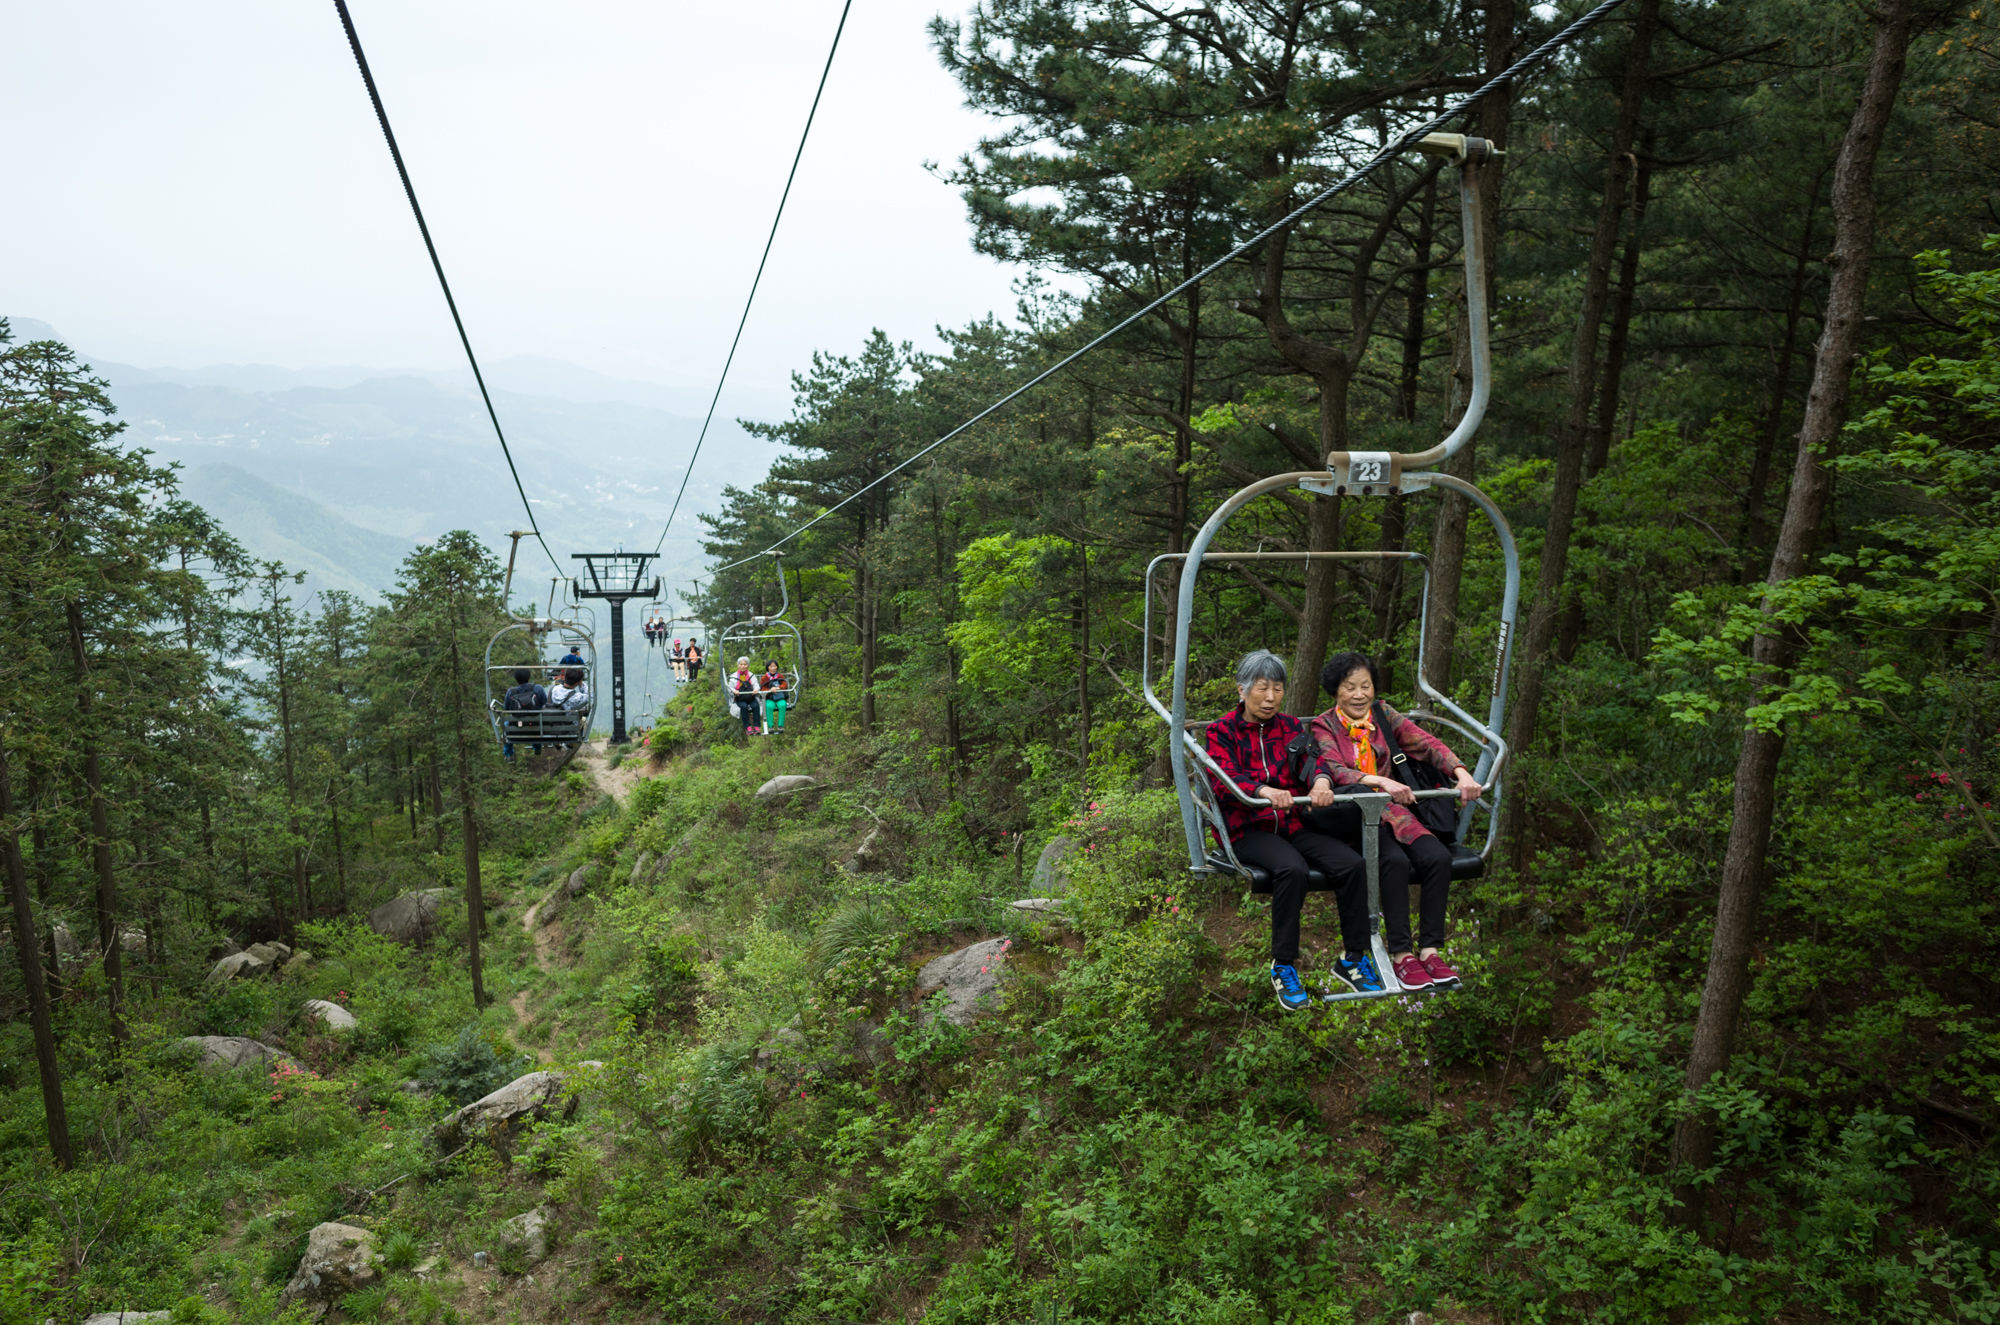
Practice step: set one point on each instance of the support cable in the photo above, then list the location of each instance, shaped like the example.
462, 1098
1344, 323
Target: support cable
409, 191
1394, 149
769, 239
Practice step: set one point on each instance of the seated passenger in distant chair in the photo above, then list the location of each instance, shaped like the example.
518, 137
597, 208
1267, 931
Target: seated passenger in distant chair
524, 697
570, 692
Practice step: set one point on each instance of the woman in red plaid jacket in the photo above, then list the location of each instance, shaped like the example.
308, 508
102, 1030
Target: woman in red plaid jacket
1249, 745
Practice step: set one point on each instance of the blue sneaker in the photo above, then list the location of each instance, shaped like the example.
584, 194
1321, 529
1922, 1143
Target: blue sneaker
1292, 995
1360, 976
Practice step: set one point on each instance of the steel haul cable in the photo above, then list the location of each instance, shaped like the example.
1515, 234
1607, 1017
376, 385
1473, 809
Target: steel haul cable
768, 241
1393, 149
410, 191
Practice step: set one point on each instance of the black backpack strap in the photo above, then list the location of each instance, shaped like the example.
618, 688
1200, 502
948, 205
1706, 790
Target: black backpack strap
1395, 747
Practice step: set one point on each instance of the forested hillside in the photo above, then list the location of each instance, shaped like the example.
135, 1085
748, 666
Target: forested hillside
317, 1007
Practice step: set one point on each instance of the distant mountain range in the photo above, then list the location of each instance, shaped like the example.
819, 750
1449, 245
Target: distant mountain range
410, 456
340, 471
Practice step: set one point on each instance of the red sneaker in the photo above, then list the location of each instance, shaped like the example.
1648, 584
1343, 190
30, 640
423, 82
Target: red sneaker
1410, 972
1442, 974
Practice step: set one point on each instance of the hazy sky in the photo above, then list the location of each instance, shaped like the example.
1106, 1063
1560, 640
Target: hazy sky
204, 182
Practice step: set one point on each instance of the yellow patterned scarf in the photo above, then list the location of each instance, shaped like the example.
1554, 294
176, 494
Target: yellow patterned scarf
1364, 749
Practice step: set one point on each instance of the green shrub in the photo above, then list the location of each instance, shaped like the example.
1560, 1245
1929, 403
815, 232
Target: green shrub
468, 1067
241, 1007
856, 955
400, 1251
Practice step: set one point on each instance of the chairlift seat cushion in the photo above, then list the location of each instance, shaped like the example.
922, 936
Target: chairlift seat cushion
1259, 878
1465, 864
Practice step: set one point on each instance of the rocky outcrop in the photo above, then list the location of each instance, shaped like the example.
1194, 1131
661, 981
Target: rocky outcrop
297, 963
271, 954
1044, 905
970, 979
642, 868
868, 855
785, 784
127, 1317
561, 896
413, 917
1052, 867
330, 1015
236, 966
340, 1258
227, 1052
531, 1098
528, 1236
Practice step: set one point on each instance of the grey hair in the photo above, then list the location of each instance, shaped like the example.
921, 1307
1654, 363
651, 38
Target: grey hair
1259, 665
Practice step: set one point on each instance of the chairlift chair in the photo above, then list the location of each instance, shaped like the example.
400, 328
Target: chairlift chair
1363, 474
548, 729
755, 630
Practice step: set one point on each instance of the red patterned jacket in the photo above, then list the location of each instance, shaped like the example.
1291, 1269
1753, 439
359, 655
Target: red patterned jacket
1253, 755
1337, 758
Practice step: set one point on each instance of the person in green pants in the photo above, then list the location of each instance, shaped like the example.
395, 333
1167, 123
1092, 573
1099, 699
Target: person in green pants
773, 687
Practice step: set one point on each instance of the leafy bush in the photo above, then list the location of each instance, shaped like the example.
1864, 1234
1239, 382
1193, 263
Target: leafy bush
240, 1007
400, 1251
467, 1068
855, 958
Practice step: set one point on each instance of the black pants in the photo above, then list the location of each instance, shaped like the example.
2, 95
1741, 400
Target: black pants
746, 709
1286, 858
1425, 862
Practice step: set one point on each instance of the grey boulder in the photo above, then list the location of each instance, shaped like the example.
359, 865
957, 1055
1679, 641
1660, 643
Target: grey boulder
525, 1099
560, 896
330, 1015
237, 965
785, 784
126, 1317
228, 1052
340, 1258
272, 954
970, 979
1052, 867
529, 1234
411, 918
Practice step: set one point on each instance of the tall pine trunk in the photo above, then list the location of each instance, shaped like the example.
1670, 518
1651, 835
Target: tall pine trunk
1617, 346
55, 1115
475, 896
1728, 979
1574, 437
100, 831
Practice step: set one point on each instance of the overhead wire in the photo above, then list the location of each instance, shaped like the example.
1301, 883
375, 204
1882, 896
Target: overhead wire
1396, 148
769, 239
410, 191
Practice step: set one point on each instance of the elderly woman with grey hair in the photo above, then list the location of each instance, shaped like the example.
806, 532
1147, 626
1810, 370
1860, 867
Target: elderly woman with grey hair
1250, 744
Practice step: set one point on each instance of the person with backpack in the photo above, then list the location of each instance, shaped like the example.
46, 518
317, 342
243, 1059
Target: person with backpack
1365, 743
524, 697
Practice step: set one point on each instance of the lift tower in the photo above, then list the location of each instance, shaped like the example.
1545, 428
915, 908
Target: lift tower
614, 577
